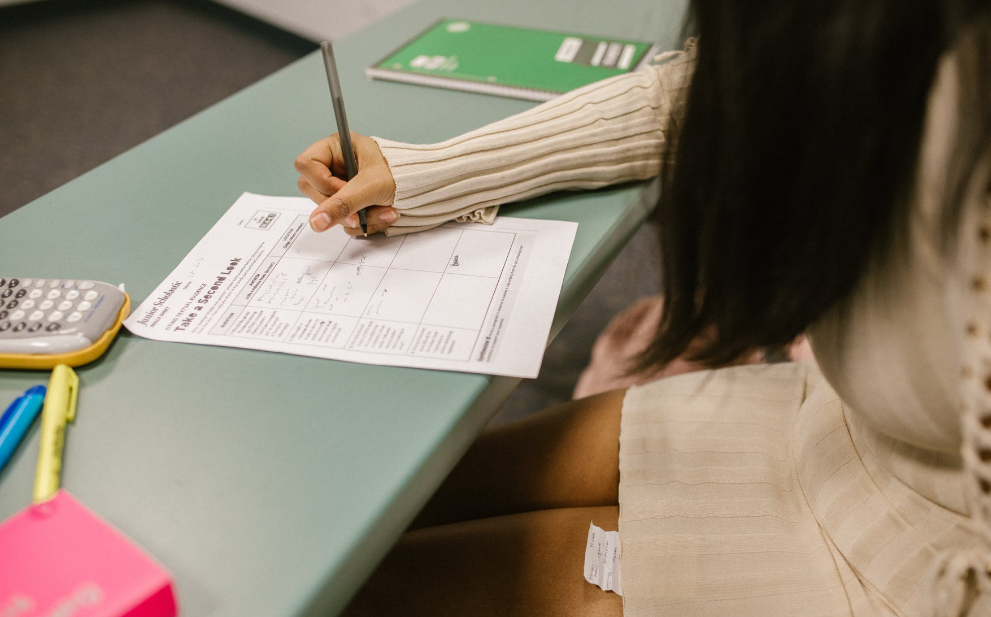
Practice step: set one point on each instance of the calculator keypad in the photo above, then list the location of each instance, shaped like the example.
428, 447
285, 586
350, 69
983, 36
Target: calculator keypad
33, 307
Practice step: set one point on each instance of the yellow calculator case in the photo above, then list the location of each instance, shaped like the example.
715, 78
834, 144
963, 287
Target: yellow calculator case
45, 322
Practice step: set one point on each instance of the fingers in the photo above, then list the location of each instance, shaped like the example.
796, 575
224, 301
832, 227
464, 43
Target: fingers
359, 193
327, 187
379, 218
307, 189
333, 210
321, 165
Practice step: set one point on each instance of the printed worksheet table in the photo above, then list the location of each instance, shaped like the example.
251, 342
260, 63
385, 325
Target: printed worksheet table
465, 297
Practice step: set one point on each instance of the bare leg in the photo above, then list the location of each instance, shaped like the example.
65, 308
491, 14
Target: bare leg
566, 456
519, 564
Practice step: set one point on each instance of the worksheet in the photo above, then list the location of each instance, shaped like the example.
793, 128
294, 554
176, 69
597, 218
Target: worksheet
461, 297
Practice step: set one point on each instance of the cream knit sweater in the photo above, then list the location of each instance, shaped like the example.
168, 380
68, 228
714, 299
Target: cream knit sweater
608, 132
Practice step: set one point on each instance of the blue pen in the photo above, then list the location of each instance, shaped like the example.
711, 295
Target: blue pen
17, 420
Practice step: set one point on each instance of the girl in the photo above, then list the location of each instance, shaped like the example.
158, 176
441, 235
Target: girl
825, 168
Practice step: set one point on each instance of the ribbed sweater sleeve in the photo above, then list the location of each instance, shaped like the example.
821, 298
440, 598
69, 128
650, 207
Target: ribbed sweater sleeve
608, 132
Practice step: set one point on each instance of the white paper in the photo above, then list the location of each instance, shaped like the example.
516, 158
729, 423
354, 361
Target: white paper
602, 554
462, 297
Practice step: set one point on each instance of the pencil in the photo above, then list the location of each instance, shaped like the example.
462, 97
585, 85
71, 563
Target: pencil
347, 149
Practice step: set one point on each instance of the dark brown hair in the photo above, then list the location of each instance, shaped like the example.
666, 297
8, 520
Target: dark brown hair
796, 161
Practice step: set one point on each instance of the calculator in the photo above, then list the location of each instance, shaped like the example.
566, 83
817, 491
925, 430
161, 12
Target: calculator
44, 322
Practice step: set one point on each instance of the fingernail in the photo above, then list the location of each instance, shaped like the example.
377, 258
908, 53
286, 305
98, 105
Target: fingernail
390, 216
351, 220
320, 221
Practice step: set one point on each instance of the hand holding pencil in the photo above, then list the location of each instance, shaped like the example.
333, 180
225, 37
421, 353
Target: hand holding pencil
322, 173
346, 174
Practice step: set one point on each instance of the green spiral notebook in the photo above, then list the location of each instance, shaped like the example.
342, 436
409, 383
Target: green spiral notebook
536, 65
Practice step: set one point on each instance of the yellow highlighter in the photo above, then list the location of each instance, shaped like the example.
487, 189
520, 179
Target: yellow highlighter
59, 410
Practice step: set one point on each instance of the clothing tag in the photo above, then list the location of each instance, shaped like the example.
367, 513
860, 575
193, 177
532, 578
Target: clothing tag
602, 553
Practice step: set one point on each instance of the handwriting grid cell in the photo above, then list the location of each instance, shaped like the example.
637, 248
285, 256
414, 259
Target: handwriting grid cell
311, 245
347, 289
441, 342
375, 250
428, 252
291, 284
322, 330
381, 337
261, 323
403, 295
481, 253
460, 301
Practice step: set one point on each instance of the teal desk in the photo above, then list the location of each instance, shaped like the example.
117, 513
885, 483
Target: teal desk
271, 484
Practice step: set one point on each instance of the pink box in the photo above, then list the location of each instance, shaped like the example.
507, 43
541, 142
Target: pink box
59, 558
